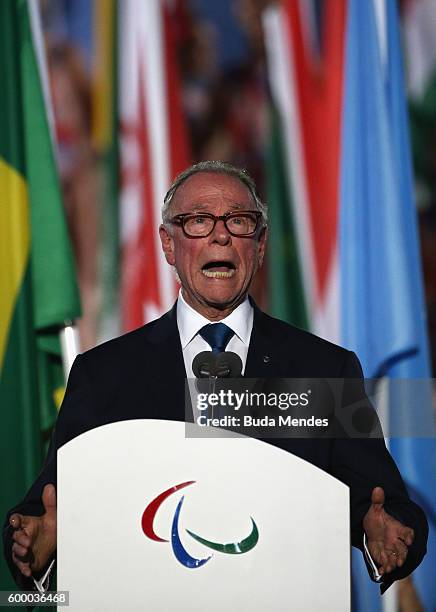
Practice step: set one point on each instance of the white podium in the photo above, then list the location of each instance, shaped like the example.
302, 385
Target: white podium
149, 519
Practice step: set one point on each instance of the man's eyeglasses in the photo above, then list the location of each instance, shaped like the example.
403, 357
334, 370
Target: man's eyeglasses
201, 225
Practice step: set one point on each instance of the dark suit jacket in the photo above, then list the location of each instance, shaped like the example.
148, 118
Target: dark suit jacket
141, 375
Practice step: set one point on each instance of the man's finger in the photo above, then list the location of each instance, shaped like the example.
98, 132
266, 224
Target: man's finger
390, 559
23, 523
15, 521
49, 498
22, 566
407, 535
391, 566
21, 538
20, 551
401, 551
386, 565
396, 558
383, 563
378, 497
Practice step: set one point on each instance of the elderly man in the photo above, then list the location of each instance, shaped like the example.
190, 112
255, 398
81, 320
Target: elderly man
214, 233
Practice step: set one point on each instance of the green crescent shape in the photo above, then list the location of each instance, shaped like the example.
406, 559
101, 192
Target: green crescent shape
235, 548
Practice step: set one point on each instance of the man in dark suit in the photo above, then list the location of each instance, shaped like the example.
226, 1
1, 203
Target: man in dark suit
214, 234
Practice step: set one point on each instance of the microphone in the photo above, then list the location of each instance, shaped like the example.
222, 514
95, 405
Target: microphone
203, 364
220, 365
228, 365
208, 367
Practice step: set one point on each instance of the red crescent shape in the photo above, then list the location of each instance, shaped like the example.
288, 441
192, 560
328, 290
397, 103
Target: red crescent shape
153, 507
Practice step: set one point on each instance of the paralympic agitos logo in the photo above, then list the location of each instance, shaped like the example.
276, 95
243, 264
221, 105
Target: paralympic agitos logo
180, 552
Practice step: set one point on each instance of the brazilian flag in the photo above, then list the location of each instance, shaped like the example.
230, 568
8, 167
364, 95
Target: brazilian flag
38, 290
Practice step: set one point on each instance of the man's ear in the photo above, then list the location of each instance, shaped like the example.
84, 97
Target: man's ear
167, 243
263, 236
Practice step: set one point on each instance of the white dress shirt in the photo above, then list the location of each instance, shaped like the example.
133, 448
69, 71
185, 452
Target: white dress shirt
189, 323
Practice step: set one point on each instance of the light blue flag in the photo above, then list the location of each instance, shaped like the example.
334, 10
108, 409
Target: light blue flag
382, 304
415, 455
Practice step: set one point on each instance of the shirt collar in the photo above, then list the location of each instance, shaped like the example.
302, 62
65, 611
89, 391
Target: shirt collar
189, 321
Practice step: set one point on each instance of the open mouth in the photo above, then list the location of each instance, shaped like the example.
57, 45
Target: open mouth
219, 269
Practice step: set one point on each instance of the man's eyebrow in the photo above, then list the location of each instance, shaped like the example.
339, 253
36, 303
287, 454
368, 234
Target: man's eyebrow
199, 207
237, 206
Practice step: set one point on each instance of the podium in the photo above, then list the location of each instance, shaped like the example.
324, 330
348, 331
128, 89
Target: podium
150, 519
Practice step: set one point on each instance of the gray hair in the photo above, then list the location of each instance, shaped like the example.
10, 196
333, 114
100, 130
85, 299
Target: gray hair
220, 168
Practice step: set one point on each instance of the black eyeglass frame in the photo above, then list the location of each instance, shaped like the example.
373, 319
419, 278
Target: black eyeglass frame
181, 220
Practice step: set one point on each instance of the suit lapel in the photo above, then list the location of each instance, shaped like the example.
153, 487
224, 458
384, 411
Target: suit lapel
165, 336
275, 350
167, 365
263, 357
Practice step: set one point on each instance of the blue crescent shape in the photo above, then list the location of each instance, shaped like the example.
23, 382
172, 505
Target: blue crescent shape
179, 550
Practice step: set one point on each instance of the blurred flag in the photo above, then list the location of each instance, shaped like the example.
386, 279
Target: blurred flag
336, 79
420, 47
419, 29
105, 141
286, 292
383, 310
37, 279
153, 151
306, 87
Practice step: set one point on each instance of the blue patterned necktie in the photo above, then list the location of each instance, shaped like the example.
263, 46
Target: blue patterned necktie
217, 335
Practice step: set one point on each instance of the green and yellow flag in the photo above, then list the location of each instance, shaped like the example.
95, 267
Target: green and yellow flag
38, 290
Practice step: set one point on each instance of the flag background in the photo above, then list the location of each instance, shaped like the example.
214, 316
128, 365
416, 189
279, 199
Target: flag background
382, 311
360, 229
188, 80
153, 151
37, 277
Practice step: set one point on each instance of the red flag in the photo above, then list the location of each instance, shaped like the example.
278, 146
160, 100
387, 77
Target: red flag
154, 150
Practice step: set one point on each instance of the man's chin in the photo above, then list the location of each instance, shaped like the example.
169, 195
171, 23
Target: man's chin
223, 302
216, 298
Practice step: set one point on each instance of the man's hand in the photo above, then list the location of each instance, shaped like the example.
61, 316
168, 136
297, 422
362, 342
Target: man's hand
35, 536
387, 538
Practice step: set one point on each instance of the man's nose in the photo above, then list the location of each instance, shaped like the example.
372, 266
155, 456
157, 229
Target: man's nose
220, 233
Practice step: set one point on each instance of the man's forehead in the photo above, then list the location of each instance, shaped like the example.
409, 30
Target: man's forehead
203, 188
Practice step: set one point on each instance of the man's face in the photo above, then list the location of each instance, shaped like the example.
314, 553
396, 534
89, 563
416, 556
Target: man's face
215, 271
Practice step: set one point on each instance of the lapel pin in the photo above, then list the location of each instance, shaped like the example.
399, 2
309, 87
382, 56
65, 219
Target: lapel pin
266, 358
